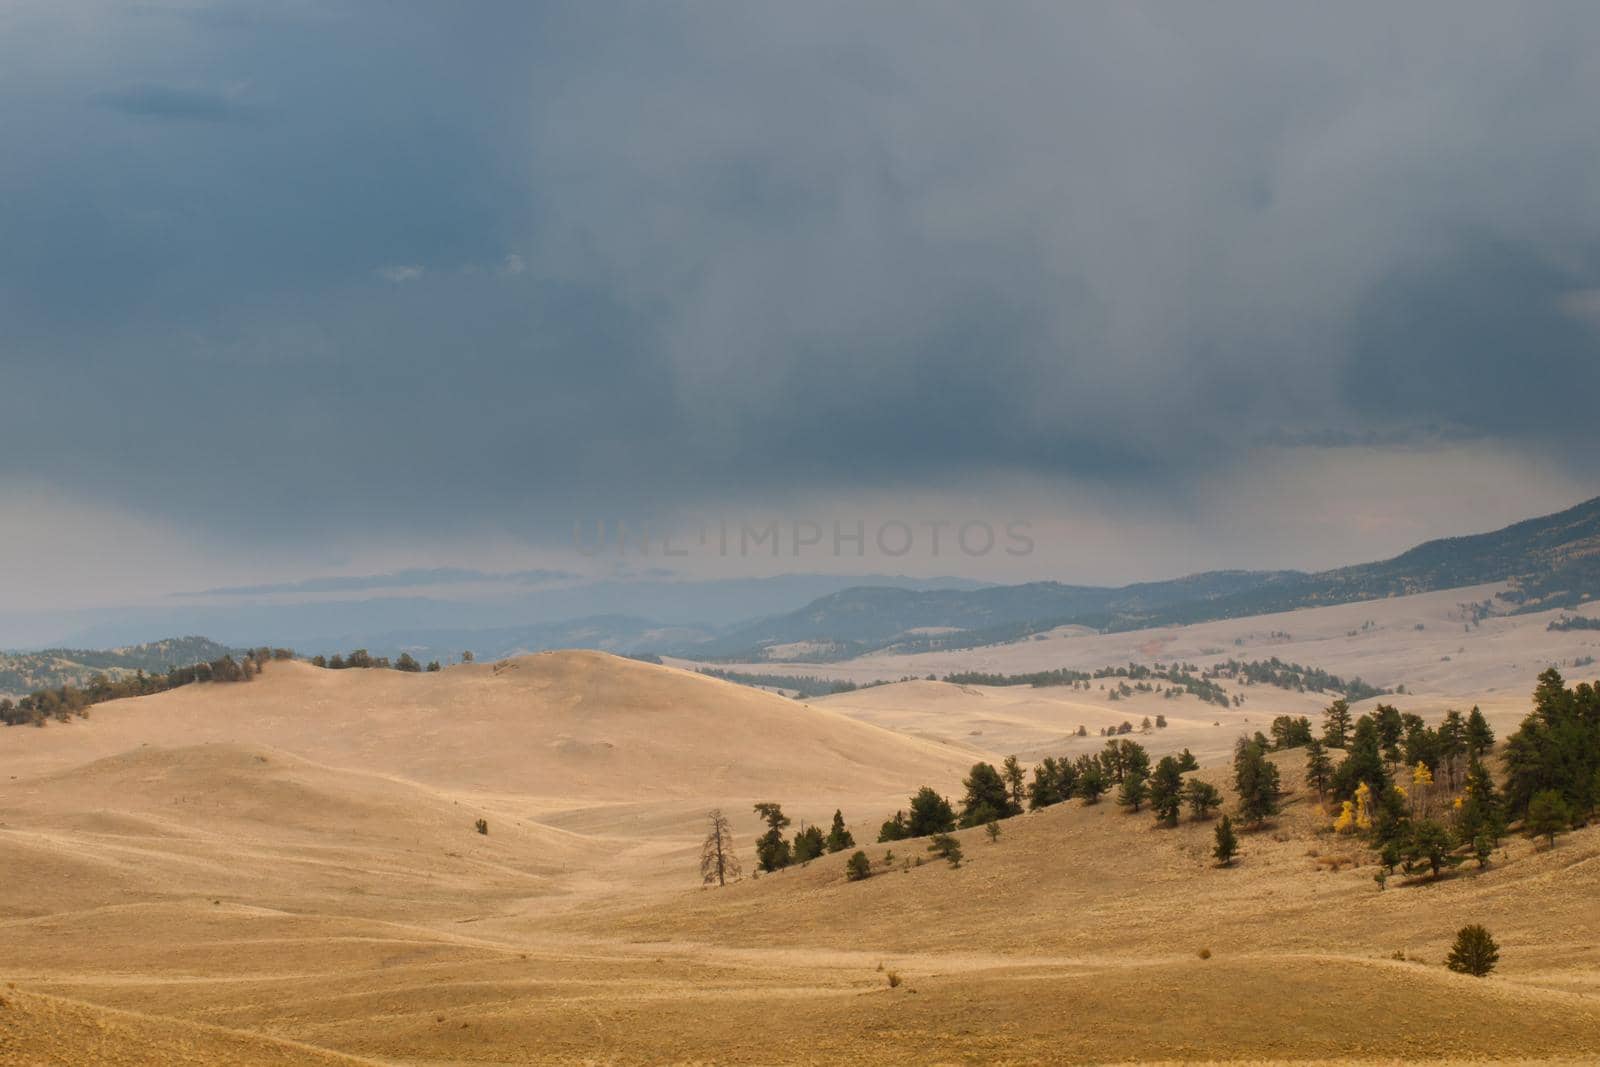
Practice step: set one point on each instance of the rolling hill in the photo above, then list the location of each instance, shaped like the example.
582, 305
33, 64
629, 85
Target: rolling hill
287, 871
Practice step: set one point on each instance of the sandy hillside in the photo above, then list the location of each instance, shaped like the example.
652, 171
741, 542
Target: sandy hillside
287, 869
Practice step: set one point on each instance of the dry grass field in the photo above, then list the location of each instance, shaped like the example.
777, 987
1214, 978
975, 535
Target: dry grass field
287, 871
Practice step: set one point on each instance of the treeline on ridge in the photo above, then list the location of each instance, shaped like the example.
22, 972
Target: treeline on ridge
361, 658
66, 701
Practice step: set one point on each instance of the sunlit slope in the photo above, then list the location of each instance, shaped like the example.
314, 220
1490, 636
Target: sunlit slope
562, 724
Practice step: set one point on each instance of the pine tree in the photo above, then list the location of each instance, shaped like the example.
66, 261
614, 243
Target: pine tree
1319, 768
1255, 780
1452, 737
1363, 762
1557, 747
772, 851
839, 838
1336, 724
1227, 844
1202, 798
1187, 762
1011, 770
1478, 811
1430, 848
1092, 783
930, 814
894, 828
1548, 815
986, 798
1391, 728
1480, 739
1166, 791
717, 860
1135, 789
1047, 786
1391, 815
1474, 952
808, 844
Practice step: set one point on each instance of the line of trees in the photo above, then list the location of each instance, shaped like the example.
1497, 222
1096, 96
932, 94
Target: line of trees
775, 852
1293, 676
63, 703
362, 658
1420, 794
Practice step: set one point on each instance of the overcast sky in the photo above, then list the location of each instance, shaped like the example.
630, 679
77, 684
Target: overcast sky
296, 290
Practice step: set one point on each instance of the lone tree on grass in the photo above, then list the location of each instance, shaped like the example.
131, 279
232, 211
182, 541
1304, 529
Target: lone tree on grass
1474, 952
857, 868
839, 838
1227, 844
1548, 815
717, 861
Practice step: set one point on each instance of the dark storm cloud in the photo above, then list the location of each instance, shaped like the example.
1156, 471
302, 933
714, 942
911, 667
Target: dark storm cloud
475, 265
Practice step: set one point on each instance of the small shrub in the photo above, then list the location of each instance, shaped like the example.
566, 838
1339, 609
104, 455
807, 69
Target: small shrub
482, 826
894, 979
1205, 953
1474, 952
1227, 846
858, 868
946, 847
993, 830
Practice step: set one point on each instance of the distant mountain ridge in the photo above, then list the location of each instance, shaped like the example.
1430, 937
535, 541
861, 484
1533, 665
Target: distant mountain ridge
51, 668
1552, 561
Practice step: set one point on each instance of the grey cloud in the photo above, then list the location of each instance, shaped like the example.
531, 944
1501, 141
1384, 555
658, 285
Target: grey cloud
171, 102
668, 252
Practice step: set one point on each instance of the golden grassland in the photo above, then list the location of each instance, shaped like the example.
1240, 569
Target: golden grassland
287, 871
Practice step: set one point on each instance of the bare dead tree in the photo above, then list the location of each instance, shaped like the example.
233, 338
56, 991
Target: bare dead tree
717, 862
